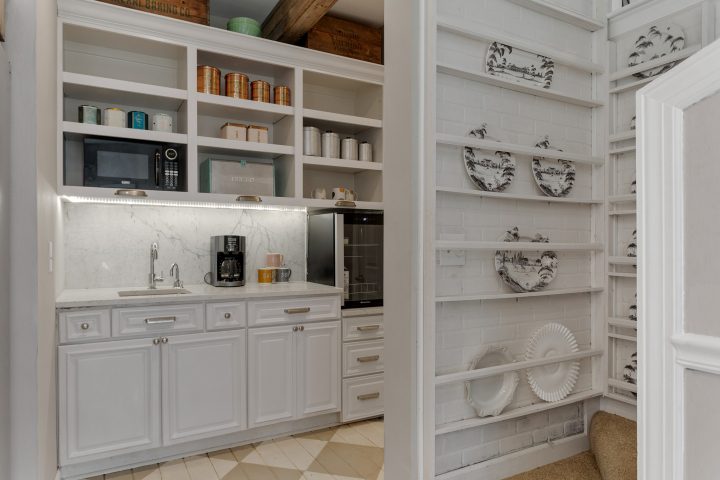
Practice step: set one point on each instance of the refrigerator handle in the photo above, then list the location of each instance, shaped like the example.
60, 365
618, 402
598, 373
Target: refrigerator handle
340, 252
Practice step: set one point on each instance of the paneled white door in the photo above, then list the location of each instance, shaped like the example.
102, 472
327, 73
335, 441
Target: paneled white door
271, 375
203, 385
318, 354
109, 399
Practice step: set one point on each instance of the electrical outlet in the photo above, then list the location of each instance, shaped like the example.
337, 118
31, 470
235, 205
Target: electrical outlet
452, 258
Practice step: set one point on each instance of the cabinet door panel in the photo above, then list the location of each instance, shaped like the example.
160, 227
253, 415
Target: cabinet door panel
109, 399
318, 355
271, 375
203, 385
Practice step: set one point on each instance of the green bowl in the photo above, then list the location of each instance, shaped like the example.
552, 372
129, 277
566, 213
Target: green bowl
245, 25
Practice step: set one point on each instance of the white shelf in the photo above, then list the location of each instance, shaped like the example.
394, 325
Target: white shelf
622, 385
513, 367
622, 322
339, 165
631, 85
618, 213
630, 197
622, 275
622, 136
620, 151
120, 92
267, 150
621, 398
518, 246
626, 338
567, 16
221, 106
339, 121
622, 260
518, 87
360, 205
515, 413
512, 196
659, 62
469, 30
510, 296
84, 129
460, 141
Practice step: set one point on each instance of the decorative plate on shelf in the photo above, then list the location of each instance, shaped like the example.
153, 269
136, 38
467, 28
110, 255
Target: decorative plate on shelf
633, 185
633, 310
554, 177
518, 65
631, 249
633, 122
552, 382
630, 371
489, 396
657, 42
521, 273
490, 171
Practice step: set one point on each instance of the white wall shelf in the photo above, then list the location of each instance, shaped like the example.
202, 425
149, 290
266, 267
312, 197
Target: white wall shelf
621, 398
625, 338
622, 260
339, 165
622, 136
622, 275
460, 141
512, 196
518, 246
622, 150
567, 16
511, 296
619, 213
518, 87
221, 106
630, 197
220, 145
619, 384
86, 129
516, 413
319, 203
341, 121
622, 322
513, 367
631, 85
659, 62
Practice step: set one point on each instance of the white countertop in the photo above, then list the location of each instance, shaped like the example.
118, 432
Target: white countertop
104, 297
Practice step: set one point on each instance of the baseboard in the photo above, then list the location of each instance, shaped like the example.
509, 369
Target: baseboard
521, 461
619, 408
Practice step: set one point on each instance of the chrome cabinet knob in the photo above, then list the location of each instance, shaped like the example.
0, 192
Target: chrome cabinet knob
295, 329
227, 316
156, 341
84, 326
164, 339
302, 328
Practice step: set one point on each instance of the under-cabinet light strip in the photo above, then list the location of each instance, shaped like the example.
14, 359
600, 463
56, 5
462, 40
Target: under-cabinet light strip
182, 204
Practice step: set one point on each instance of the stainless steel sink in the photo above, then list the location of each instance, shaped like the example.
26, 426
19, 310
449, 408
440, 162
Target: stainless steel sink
153, 292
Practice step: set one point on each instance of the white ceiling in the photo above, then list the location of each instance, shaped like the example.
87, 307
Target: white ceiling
363, 11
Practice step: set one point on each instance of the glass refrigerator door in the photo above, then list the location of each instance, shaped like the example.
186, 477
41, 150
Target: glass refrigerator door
363, 262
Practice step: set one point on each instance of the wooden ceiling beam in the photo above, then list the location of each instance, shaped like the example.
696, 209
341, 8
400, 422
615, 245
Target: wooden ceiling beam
291, 19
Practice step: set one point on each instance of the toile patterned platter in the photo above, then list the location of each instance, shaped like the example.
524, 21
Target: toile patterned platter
490, 396
519, 66
657, 42
489, 171
554, 177
630, 371
631, 249
633, 310
519, 272
552, 382
633, 185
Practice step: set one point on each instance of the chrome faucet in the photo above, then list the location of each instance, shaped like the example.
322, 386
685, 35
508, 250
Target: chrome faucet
176, 268
154, 278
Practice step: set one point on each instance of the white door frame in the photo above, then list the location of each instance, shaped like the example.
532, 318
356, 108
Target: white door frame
664, 349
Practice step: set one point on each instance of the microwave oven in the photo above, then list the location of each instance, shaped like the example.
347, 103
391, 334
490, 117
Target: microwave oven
133, 164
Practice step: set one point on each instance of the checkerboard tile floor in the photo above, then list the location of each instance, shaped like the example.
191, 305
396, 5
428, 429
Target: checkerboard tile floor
348, 452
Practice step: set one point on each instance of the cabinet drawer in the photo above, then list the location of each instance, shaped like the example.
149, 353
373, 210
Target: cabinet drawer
128, 322
84, 325
293, 310
221, 316
363, 328
362, 358
363, 398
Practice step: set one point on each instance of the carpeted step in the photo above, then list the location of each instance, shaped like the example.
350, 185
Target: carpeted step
613, 441
579, 467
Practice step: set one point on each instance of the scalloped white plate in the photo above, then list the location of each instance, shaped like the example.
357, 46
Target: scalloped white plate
552, 382
489, 171
490, 396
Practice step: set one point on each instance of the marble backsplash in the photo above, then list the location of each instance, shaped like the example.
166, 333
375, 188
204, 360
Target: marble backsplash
109, 245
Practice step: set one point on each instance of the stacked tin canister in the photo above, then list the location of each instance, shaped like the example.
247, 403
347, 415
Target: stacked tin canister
329, 145
238, 85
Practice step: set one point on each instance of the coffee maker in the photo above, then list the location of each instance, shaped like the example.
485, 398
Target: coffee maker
228, 261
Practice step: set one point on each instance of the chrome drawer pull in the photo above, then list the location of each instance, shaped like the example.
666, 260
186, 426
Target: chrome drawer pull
160, 320
84, 326
368, 328
227, 316
369, 396
293, 311
371, 358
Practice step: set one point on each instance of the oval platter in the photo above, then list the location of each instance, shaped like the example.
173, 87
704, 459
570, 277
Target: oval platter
490, 396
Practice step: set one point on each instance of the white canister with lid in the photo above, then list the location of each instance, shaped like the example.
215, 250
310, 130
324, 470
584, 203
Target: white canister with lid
114, 117
365, 152
311, 142
162, 122
330, 145
349, 149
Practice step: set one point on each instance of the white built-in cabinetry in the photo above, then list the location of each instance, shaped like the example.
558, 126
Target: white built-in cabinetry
115, 57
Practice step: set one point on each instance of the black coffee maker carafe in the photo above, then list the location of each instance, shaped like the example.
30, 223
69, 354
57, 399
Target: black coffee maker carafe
228, 261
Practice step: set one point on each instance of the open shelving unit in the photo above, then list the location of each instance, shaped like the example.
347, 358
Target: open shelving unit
113, 65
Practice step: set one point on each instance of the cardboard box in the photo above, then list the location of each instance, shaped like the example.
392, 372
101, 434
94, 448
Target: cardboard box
346, 38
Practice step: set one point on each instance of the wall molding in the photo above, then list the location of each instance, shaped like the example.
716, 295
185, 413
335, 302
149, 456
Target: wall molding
698, 352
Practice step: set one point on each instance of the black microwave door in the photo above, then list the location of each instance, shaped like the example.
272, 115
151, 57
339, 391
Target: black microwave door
321, 249
116, 164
